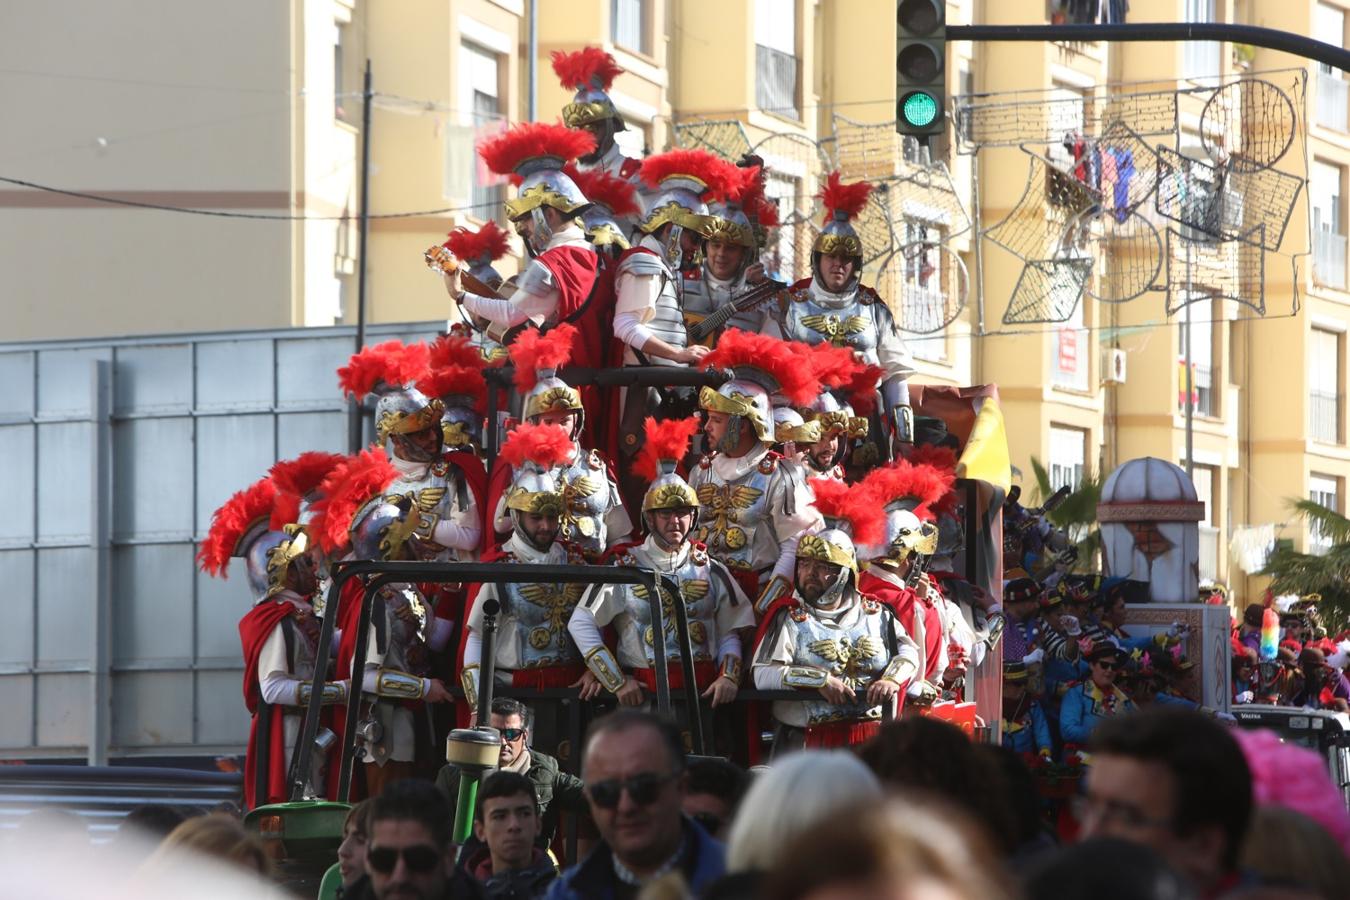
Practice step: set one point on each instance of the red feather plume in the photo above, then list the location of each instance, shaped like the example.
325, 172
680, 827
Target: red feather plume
228, 524
838, 369
846, 198
529, 140
305, 473
615, 194
392, 363
454, 350
944, 460
466, 381
667, 440
531, 351
587, 67
924, 483
758, 208
544, 445
285, 511
489, 241
346, 490
718, 174
862, 389
780, 359
855, 505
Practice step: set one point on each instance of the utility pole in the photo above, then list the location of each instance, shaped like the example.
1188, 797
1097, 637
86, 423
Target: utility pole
355, 437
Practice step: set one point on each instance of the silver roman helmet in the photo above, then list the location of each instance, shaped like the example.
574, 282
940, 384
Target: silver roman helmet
678, 181
761, 366
835, 547
843, 203
535, 152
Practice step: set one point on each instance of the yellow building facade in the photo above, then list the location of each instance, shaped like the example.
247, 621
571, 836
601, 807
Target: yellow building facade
272, 127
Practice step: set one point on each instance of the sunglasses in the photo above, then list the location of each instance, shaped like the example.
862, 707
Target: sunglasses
419, 858
643, 789
512, 734
1108, 666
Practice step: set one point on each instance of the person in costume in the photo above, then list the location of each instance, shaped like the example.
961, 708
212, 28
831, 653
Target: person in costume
906, 493
1095, 698
279, 635
717, 609
846, 382
755, 504
826, 638
533, 648
614, 210
408, 425
564, 281
369, 511
731, 246
792, 434
1026, 730
593, 517
590, 72
834, 306
478, 250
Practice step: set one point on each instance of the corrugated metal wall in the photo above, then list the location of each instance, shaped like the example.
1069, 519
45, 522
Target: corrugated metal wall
114, 456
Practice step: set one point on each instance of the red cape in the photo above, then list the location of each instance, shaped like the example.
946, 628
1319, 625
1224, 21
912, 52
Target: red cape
609, 434
586, 299
905, 604
254, 629
471, 467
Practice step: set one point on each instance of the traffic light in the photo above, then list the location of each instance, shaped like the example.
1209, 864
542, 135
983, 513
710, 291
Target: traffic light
920, 66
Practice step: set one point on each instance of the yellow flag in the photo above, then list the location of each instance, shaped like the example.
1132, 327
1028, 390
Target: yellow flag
986, 455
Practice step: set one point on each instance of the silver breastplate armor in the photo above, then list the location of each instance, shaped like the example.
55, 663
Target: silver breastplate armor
700, 591
407, 621
733, 512
852, 324
541, 612
587, 500
438, 493
855, 650
699, 295
667, 321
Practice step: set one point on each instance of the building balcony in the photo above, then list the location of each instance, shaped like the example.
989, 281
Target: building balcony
1329, 258
1324, 416
1333, 102
1209, 553
776, 82
1203, 390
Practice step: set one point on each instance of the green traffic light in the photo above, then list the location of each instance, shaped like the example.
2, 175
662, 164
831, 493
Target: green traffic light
919, 109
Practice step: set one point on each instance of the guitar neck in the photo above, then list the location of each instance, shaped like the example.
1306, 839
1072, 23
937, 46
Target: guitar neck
746, 301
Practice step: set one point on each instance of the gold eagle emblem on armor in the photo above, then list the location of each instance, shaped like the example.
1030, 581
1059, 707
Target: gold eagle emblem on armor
575, 516
836, 330
848, 658
558, 600
429, 498
691, 590
724, 505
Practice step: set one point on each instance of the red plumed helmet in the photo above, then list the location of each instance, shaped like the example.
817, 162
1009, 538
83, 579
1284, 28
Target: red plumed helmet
944, 460
589, 67
716, 174
843, 200
392, 363
285, 511
544, 445
758, 208
346, 490
853, 505
457, 381
666, 442
454, 350
532, 351
231, 522
304, 474
487, 242
506, 152
899, 480
603, 189
782, 361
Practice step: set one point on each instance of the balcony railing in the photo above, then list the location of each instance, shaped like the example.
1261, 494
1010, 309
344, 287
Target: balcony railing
1209, 553
776, 81
1324, 416
1329, 257
1333, 102
1202, 387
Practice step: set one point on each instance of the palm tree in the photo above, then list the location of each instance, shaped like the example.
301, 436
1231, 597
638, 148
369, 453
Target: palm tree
1326, 573
1077, 515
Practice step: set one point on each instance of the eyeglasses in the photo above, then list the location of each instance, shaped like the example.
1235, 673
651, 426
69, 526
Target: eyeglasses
512, 734
419, 858
643, 788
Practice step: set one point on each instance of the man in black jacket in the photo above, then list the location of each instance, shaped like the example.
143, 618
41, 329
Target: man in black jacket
506, 820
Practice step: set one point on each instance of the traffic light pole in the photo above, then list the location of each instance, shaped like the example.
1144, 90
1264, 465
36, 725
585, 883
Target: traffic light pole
1269, 38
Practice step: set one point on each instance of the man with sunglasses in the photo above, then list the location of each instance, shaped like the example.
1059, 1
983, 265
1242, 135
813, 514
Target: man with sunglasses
634, 768
555, 791
1095, 698
410, 855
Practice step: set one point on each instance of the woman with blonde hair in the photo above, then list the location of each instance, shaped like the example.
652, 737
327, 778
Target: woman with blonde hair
216, 835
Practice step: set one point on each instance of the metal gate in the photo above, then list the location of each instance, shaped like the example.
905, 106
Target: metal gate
114, 454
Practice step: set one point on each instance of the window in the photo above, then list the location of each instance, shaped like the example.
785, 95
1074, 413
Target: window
1205, 478
634, 140
339, 61
480, 111
776, 57
628, 24
1201, 313
1069, 347
1333, 101
1326, 182
1068, 453
922, 297
780, 256
1325, 362
1324, 490
1200, 59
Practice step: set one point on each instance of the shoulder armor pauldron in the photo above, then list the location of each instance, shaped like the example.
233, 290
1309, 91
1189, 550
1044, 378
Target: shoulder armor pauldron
699, 554
800, 295
798, 613
867, 296
870, 606
643, 264
440, 468
595, 460
769, 463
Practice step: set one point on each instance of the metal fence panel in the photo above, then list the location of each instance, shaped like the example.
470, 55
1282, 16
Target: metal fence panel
221, 717
153, 475
16, 373
63, 623
153, 709
308, 368
299, 432
152, 379
16, 699
16, 488
221, 603
16, 637
234, 375
62, 710
152, 611
63, 482
236, 451
63, 382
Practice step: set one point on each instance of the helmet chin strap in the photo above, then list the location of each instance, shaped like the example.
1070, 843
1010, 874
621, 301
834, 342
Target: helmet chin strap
542, 233
834, 592
405, 449
671, 248
731, 438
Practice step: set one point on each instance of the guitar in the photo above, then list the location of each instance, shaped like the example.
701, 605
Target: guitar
704, 327
440, 260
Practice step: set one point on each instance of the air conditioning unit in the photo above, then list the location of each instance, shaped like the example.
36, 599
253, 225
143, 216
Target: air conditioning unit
1113, 366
